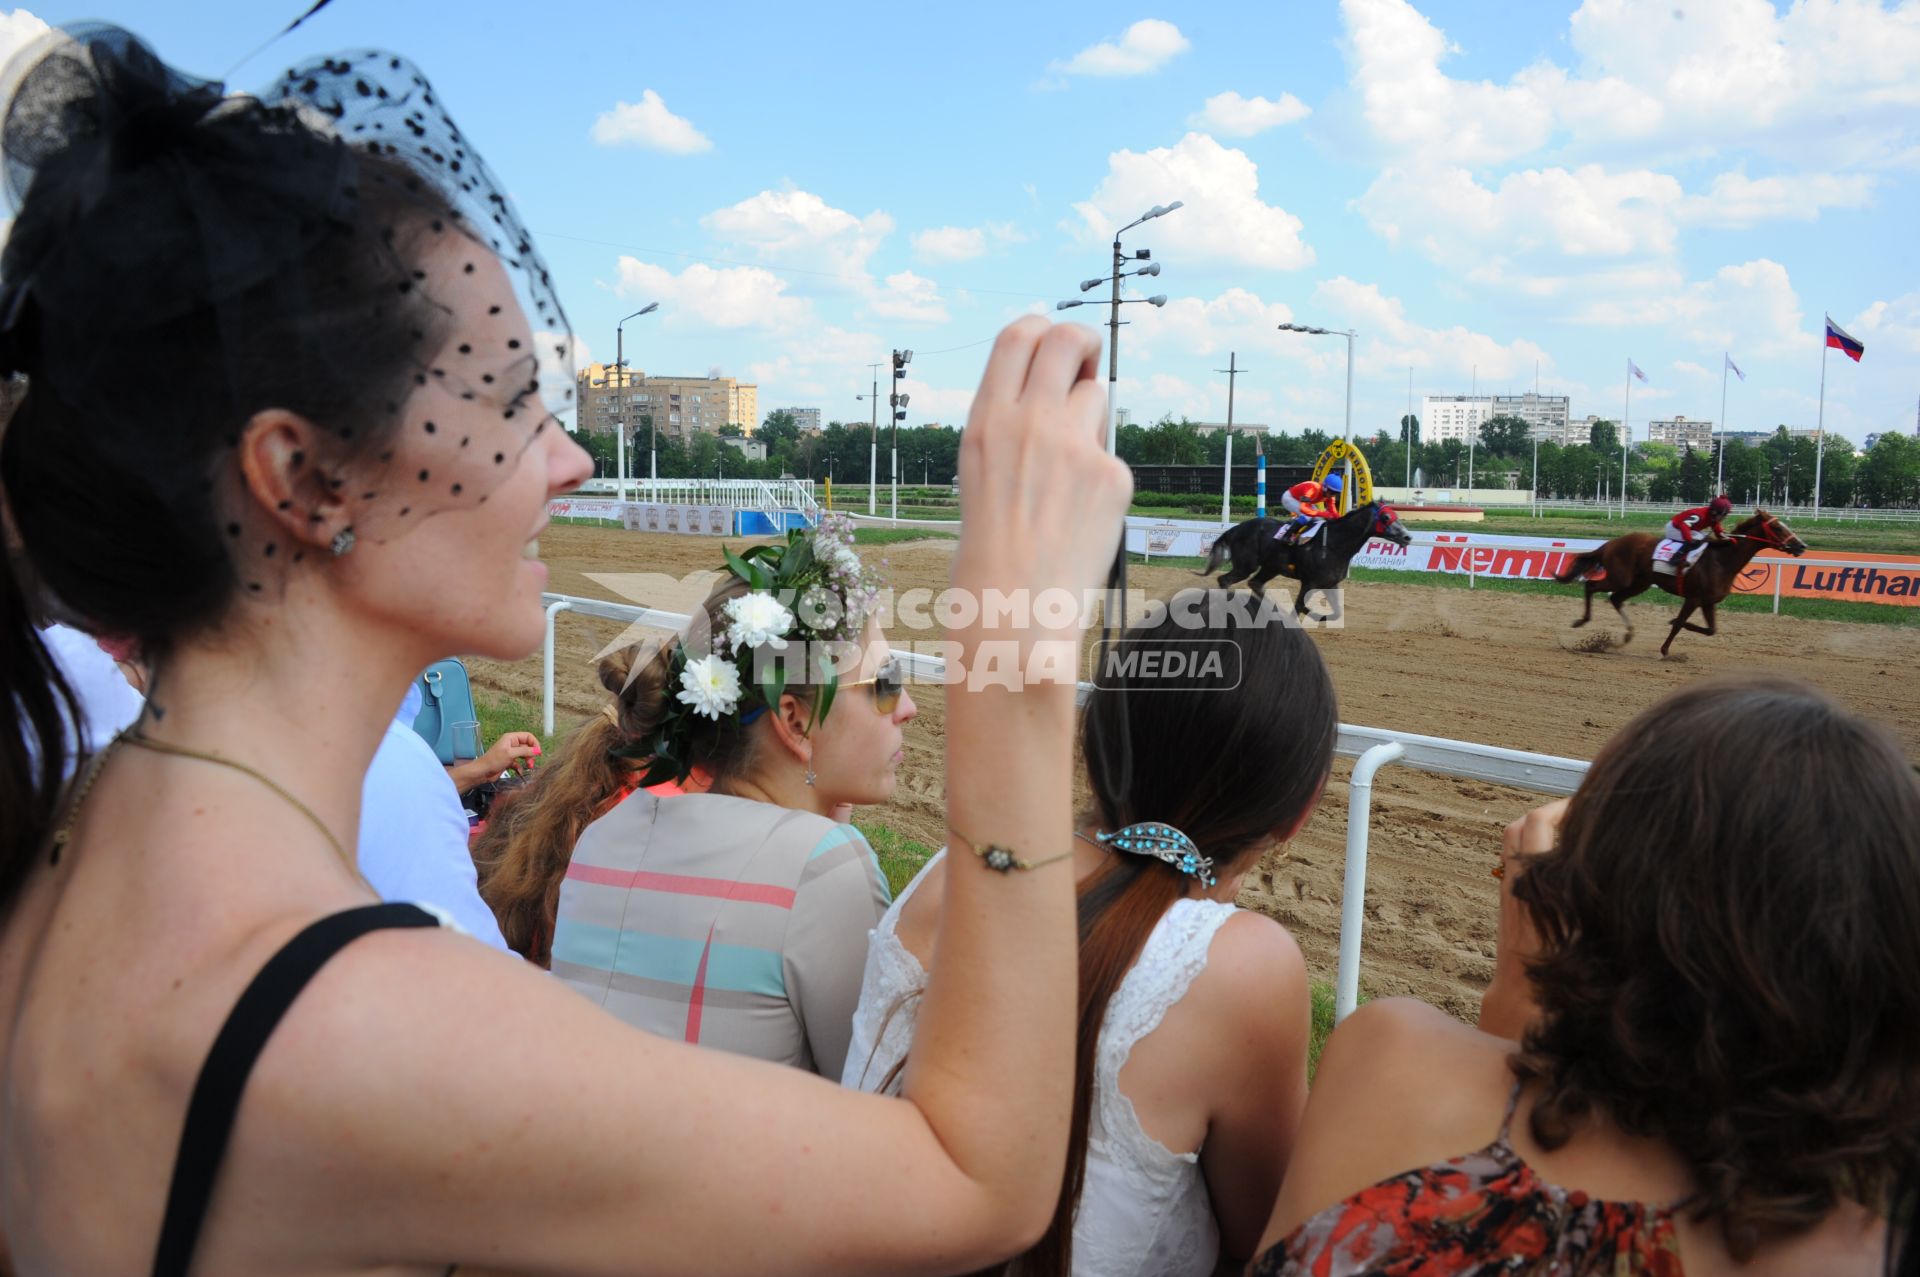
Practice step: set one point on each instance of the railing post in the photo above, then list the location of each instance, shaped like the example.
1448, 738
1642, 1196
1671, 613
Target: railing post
546, 674
1779, 571
1353, 893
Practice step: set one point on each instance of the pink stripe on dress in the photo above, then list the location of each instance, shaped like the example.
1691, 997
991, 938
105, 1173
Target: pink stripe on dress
682, 884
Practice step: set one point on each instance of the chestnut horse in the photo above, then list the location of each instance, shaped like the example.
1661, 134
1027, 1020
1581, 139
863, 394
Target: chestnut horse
1627, 563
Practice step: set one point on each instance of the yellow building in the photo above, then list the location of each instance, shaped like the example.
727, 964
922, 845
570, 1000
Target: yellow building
678, 406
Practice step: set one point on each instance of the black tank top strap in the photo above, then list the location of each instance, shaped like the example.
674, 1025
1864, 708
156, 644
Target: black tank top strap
223, 1078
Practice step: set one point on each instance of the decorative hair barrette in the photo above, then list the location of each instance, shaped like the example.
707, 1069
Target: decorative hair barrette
1162, 842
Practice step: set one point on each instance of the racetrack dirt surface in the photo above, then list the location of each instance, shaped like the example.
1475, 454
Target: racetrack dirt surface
1485, 666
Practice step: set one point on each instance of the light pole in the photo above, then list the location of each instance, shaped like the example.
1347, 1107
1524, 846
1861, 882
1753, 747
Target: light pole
620, 376
1347, 433
1116, 301
898, 401
873, 439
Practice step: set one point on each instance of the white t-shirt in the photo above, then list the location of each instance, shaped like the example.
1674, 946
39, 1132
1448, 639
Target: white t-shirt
413, 831
107, 701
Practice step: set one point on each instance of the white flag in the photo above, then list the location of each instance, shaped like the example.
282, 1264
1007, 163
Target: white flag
1736, 368
1635, 370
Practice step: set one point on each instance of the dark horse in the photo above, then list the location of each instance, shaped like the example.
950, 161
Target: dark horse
1627, 563
1320, 564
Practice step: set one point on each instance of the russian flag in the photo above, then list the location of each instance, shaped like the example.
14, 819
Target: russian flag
1838, 340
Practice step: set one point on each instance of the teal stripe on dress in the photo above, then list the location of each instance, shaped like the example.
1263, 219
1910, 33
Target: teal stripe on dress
846, 835
738, 968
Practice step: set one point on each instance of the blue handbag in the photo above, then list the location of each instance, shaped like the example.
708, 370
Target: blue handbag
446, 698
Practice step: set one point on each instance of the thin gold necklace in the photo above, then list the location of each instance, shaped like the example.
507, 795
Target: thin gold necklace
143, 741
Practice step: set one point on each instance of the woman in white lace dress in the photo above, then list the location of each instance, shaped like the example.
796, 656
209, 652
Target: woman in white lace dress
1191, 1070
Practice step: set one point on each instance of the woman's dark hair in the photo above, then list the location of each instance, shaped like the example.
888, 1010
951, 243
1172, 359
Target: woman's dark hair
1233, 760
523, 854
178, 263
1730, 931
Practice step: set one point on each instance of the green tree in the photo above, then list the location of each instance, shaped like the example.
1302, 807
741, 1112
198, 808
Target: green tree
1890, 474
1505, 436
778, 428
1604, 436
1409, 429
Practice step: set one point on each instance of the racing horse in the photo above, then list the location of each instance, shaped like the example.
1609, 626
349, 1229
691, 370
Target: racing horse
1626, 566
1320, 563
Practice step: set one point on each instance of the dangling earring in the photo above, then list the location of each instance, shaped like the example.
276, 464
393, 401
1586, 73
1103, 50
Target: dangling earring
809, 777
342, 542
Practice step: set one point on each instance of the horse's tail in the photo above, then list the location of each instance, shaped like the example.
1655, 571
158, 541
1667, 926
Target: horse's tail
1583, 563
1222, 548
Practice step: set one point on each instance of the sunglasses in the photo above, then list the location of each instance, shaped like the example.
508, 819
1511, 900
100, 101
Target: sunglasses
888, 684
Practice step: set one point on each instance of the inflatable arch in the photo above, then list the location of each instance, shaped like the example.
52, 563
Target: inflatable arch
1358, 489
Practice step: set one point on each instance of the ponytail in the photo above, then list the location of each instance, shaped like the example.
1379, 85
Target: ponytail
522, 855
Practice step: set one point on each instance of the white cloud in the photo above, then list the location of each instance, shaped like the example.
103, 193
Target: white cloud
649, 125
1688, 368
908, 296
1393, 342
730, 297
1582, 212
1410, 105
964, 243
950, 243
794, 222
1750, 308
1893, 323
1224, 218
1735, 200
18, 29
1234, 116
1145, 47
1833, 83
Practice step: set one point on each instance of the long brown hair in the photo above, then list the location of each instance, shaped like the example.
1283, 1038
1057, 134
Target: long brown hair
1730, 933
523, 853
1232, 763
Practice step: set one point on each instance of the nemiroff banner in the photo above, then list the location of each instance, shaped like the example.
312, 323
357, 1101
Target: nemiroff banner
1540, 558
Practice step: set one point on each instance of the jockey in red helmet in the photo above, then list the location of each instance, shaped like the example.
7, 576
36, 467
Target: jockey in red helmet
1309, 501
1701, 523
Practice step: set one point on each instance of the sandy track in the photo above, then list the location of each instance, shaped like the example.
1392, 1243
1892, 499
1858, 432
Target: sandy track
1481, 666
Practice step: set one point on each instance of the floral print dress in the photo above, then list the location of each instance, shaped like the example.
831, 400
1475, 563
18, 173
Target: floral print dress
1474, 1216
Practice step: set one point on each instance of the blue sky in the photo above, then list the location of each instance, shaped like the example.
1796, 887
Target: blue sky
1469, 186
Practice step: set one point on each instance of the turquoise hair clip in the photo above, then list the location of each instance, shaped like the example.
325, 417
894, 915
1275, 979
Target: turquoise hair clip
1162, 842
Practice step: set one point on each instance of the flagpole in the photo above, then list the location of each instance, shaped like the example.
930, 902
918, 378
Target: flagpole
1626, 433
1820, 430
1720, 449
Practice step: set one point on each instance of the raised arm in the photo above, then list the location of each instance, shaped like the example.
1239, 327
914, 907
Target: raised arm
557, 1140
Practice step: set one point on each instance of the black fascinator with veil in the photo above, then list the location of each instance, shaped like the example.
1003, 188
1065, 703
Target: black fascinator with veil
182, 258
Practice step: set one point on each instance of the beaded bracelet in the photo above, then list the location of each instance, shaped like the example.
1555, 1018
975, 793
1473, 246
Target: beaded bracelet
1005, 859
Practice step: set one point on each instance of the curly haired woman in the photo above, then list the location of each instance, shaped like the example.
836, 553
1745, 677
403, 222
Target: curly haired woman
1718, 1062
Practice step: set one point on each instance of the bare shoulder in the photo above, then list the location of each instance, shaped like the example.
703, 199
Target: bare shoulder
1400, 1085
1253, 962
1398, 1056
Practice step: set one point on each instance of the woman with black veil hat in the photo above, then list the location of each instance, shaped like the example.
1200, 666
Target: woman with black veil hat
291, 362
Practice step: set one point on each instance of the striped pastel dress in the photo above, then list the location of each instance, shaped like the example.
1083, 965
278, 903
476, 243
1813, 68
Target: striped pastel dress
723, 921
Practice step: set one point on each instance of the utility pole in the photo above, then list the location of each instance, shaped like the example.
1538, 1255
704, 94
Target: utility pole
1232, 370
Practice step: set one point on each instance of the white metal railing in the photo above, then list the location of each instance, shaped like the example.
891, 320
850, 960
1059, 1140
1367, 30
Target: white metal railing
1797, 511
1371, 748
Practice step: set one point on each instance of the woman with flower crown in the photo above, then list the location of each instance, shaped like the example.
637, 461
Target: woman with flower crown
1191, 1073
737, 917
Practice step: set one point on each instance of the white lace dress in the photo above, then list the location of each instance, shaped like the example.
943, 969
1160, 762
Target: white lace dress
1144, 1211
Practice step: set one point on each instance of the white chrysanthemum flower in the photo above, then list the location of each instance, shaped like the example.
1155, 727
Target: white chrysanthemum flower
758, 620
711, 685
